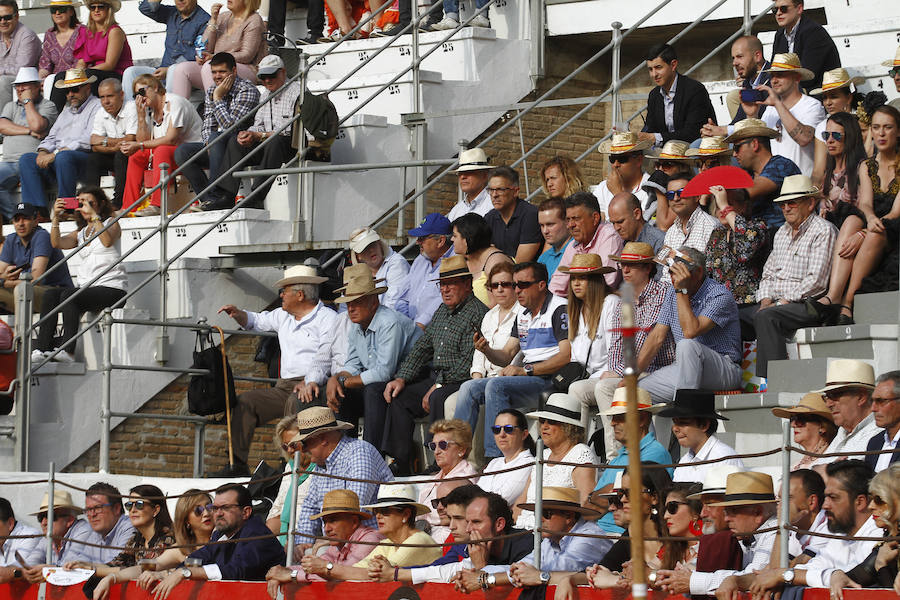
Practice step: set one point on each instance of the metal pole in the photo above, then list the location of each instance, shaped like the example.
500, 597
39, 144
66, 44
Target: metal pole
538, 499
51, 483
784, 518
106, 390
162, 340
463, 146
23, 295
748, 18
418, 129
616, 65
302, 197
537, 41
292, 521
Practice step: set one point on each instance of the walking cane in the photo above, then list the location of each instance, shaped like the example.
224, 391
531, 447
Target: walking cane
227, 396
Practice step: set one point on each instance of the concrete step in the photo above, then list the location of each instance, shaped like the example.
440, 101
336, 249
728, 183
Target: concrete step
393, 101
877, 343
876, 308
751, 427
798, 375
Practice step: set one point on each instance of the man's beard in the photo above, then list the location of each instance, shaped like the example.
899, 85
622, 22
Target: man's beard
836, 525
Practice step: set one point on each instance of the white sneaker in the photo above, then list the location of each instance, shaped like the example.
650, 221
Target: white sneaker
480, 21
63, 357
37, 355
445, 24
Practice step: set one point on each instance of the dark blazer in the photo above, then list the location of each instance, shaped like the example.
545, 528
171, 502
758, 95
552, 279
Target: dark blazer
692, 110
244, 561
875, 443
815, 48
766, 79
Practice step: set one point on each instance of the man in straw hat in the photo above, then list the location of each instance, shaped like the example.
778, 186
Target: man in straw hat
625, 153
306, 329
805, 38
64, 155
472, 174
447, 344
797, 270
20, 48
67, 531
752, 146
418, 302
894, 73
322, 437
342, 519
886, 412
713, 151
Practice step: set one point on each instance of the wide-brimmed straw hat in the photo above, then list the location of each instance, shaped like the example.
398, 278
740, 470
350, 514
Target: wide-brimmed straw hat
675, 150
692, 404
619, 404
115, 5
635, 252
451, 267
398, 494
316, 420
359, 283
895, 62
66, 3
715, 480
836, 79
560, 408
848, 373
710, 146
472, 160
747, 487
751, 127
561, 498
623, 142
75, 78
300, 274
796, 186
62, 500
810, 404
789, 63
586, 264
344, 502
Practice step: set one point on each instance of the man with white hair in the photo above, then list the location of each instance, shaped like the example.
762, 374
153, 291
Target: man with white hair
472, 174
848, 395
116, 123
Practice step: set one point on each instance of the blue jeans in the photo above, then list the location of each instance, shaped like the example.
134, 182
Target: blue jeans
214, 160
132, 73
66, 170
451, 8
9, 179
469, 399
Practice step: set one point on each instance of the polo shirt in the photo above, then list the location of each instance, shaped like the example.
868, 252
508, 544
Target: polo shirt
16, 252
523, 227
715, 302
551, 256
539, 335
15, 146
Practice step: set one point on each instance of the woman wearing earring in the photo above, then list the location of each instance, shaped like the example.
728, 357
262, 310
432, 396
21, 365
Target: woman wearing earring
682, 515
813, 426
451, 443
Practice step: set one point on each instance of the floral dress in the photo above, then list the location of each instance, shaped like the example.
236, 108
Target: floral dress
736, 258
136, 550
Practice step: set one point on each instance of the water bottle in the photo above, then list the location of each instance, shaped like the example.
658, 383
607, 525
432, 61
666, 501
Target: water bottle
199, 46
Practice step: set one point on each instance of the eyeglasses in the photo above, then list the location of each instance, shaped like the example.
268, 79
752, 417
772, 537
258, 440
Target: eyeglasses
443, 445
43, 515
780, 9
894, 72
836, 135
387, 510
802, 420
267, 77
436, 501
58, 9
507, 429
708, 163
615, 501
791, 203
138, 504
292, 446
91, 510
670, 195
666, 164
214, 508
524, 285
94, 7
7, 18
672, 507
884, 400
548, 513
496, 285
492, 191
737, 145
202, 508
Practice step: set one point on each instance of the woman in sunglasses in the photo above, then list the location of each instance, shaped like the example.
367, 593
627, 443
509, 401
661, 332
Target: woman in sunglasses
451, 443
105, 51
58, 48
837, 96
682, 517
511, 435
279, 515
813, 426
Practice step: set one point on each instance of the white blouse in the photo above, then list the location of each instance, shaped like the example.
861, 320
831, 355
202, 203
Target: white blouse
497, 334
509, 484
597, 361
554, 476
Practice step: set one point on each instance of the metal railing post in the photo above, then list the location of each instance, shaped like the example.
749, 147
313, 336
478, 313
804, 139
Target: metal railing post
51, 484
292, 520
538, 499
748, 18
538, 20
616, 65
303, 197
162, 340
463, 146
23, 295
784, 519
199, 448
418, 127
106, 391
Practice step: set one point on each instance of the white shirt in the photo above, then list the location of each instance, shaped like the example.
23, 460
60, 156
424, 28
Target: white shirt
116, 126
604, 195
481, 204
792, 35
884, 460
596, 362
854, 441
27, 546
301, 341
179, 112
393, 270
509, 484
808, 111
840, 554
554, 476
443, 573
95, 257
497, 334
713, 448
813, 543
302, 489
756, 558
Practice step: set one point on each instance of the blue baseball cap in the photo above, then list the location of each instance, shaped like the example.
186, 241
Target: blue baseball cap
432, 224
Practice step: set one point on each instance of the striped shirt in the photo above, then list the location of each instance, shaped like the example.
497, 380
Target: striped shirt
539, 335
646, 314
800, 264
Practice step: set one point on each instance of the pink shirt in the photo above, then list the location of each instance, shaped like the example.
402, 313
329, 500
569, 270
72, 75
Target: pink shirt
605, 242
93, 51
348, 554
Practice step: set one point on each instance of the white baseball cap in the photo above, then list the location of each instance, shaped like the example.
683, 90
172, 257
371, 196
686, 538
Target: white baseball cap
270, 64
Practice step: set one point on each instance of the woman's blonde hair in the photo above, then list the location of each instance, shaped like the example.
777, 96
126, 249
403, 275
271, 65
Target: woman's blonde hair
184, 535
150, 81
106, 23
886, 485
252, 6
285, 424
459, 432
570, 172
591, 307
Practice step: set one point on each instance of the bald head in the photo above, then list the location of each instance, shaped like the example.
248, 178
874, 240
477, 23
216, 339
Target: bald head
625, 214
747, 56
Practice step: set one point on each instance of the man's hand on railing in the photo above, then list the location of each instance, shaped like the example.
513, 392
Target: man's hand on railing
306, 392
34, 574
467, 581
728, 590
148, 579
839, 581
677, 581
275, 577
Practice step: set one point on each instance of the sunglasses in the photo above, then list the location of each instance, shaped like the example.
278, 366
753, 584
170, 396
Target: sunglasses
624, 493
507, 429
666, 164
436, 501
672, 507
7, 18
496, 285
267, 77
548, 513
138, 504
738, 145
709, 163
673, 193
94, 7
292, 446
214, 508
443, 445
43, 515
201, 508
894, 72
622, 158
836, 135
58, 9
802, 420
780, 9
524, 285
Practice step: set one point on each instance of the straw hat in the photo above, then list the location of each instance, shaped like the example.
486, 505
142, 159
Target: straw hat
620, 403
560, 408
453, 266
300, 274
715, 480
751, 128
747, 487
790, 63
895, 62
672, 150
810, 404
398, 494
635, 252
710, 146
115, 5
692, 404
61, 500
75, 78
66, 3
796, 186
835, 79
587, 264
359, 285
473, 159
316, 420
561, 498
344, 502
847, 373
623, 142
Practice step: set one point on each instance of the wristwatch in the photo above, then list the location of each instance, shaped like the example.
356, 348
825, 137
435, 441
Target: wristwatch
26, 101
106, 140
788, 576
17, 573
341, 379
185, 572
682, 291
328, 567
529, 369
545, 577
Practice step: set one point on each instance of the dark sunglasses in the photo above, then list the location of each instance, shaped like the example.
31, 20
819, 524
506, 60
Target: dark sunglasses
58, 9
436, 501
443, 445
99, 7
837, 135
665, 164
670, 195
802, 419
202, 508
7, 17
524, 285
496, 285
292, 446
780, 9
708, 163
672, 507
548, 513
737, 145
507, 429
138, 504
624, 493
894, 72
43, 515
622, 158
267, 77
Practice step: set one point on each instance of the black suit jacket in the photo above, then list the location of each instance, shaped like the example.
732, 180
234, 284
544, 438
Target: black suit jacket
247, 561
815, 48
875, 443
692, 110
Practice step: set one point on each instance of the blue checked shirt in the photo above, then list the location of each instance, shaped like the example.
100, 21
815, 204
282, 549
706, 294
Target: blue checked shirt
419, 299
235, 106
573, 553
350, 458
180, 31
715, 302
375, 353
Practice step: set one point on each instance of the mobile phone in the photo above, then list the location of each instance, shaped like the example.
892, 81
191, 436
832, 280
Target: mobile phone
23, 266
70, 203
751, 96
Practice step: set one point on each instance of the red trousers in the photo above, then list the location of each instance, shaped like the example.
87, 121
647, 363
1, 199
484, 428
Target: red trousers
137, 164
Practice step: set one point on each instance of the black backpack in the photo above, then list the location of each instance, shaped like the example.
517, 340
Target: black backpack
207, 394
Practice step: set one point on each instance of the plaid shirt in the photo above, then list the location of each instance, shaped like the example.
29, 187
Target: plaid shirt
799, 265
236, 105
447, 343
699, 227
646, 313
278, 110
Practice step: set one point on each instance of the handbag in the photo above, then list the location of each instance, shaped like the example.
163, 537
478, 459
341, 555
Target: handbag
570, 373
212, 392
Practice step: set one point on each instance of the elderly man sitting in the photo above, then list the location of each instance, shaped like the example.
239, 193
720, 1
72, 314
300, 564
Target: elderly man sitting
67, 530
848, 395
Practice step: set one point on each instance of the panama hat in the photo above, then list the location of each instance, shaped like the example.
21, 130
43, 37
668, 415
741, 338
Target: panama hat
895, 62
561, 498
789, 63
623, 142
61, 500
848, 373
359, 286
810, 404
692, 404
586, 264
472, 160
67, 3
315, 420
710, 146
75, 78
560, 408
635, 252
715, 480
27, 75
451, 267
344, 502
619, 404
751, 127
835, 79
398, 494
796, 186
300, 274
747, 487
672, 150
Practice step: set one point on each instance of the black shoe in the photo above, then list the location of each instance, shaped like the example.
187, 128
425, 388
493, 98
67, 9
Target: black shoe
846, 319
309, 40
391, 30
825, 314
238, 469
216, 204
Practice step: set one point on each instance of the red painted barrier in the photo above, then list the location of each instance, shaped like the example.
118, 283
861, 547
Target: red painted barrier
226, 590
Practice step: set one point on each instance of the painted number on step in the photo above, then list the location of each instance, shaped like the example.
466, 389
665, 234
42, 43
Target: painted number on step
499, 3
144, 39
462, 7
393, 89
181, 232
222, 227
341, 134
281, 180
135, 235
447, 47
405, 51
846, 42
362, 56
352, 94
